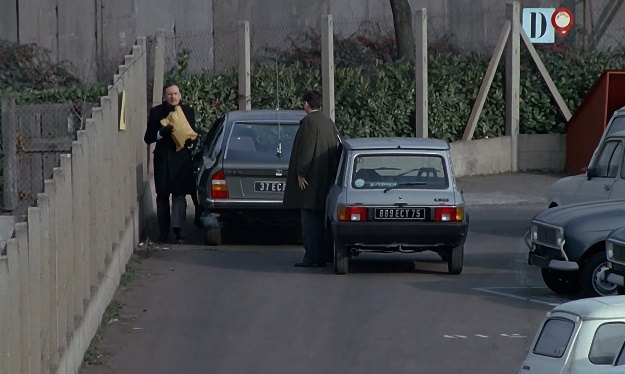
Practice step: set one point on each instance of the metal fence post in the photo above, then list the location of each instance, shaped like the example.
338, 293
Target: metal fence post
9, 144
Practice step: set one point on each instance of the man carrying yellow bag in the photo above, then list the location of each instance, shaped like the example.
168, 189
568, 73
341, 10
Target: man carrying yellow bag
171, 125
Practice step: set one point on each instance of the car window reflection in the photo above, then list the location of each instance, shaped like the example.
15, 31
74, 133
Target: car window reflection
376, 171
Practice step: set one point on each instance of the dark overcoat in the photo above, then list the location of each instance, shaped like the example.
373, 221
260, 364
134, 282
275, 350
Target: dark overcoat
173, 171
314, 156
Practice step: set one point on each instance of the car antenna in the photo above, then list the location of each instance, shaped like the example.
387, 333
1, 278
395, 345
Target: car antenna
279, 148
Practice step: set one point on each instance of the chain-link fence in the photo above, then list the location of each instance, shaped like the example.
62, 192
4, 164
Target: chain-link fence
34, 135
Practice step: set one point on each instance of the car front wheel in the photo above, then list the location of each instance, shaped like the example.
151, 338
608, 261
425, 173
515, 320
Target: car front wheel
590, 283
561, 282
341, 259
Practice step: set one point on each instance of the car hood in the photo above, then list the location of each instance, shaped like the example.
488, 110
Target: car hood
596, 210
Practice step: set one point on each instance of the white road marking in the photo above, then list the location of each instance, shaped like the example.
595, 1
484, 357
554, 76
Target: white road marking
512, 336
482, 336
492, 290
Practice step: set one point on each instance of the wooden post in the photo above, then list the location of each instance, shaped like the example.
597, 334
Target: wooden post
486, 83
245, 99
513, 73
327, 65
9, 143
419, 29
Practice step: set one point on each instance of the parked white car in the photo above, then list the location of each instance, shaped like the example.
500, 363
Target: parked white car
581, 336
605, 176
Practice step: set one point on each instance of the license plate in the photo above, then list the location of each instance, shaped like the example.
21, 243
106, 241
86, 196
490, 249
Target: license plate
262, 186
399, 213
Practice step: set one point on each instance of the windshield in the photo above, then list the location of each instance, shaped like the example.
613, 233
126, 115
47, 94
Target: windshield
391, 171
261, 141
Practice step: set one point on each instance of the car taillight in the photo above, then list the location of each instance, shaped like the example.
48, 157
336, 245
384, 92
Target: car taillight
219, 189
352, 213
448, 214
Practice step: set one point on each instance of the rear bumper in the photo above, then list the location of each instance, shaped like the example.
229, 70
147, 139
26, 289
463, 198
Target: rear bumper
247, 211
391, 236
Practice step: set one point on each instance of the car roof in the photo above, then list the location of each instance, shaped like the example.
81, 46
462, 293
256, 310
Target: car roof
265, 115
604, 307
395, 143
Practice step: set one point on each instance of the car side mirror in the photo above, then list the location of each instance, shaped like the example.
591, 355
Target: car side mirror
591, 173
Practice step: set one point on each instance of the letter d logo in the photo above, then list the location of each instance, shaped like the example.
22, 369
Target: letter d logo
537, 26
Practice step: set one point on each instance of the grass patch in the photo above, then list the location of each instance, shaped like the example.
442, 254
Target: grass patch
93, 356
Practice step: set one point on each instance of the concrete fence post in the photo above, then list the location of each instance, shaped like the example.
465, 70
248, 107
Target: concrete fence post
419, 29
15, 312
5, 308
61, 258
21, 236
83, 173
159, 68
78, 209
327, 65
513, 77
70, 248
49, 188
35, 258
245, 76
9, 145
43, 204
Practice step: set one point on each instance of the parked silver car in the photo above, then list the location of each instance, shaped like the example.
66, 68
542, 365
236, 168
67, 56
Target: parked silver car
605, 176
243, 170
396, 195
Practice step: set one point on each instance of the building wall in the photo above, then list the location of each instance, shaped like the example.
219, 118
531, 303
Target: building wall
96, 34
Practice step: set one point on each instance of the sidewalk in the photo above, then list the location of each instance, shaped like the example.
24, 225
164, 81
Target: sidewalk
506, 188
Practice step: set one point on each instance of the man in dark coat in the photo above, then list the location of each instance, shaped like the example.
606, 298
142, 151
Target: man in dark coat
173, 170
312, 169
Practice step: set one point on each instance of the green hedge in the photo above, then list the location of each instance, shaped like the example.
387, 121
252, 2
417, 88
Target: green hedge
378, 100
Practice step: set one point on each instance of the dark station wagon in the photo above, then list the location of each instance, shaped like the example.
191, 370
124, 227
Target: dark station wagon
243, 169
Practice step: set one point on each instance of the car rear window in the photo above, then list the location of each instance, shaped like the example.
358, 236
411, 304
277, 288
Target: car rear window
554, 337
380, 171
261, 141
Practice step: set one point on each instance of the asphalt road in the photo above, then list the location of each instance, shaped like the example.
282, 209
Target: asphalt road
243, 308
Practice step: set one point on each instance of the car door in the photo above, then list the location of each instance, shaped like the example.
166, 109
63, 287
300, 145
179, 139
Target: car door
604, 173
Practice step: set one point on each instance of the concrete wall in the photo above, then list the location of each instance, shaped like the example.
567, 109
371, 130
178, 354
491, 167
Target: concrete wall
544, 152
95, 34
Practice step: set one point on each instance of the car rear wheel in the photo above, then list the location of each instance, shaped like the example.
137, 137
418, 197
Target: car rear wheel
561, 282
212, 236
341, 259
590, 283
455, 259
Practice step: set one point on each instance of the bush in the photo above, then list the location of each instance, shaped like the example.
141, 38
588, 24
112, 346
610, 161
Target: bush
378, 99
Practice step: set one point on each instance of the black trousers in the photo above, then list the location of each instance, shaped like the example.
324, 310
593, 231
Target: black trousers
313, 235
168, 218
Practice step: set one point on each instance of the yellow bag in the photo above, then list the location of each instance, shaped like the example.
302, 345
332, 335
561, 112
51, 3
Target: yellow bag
182, 130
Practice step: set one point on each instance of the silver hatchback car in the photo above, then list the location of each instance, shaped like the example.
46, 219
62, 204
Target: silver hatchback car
396, 195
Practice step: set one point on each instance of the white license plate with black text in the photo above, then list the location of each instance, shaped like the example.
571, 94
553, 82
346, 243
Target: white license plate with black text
266, 186
399, 213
